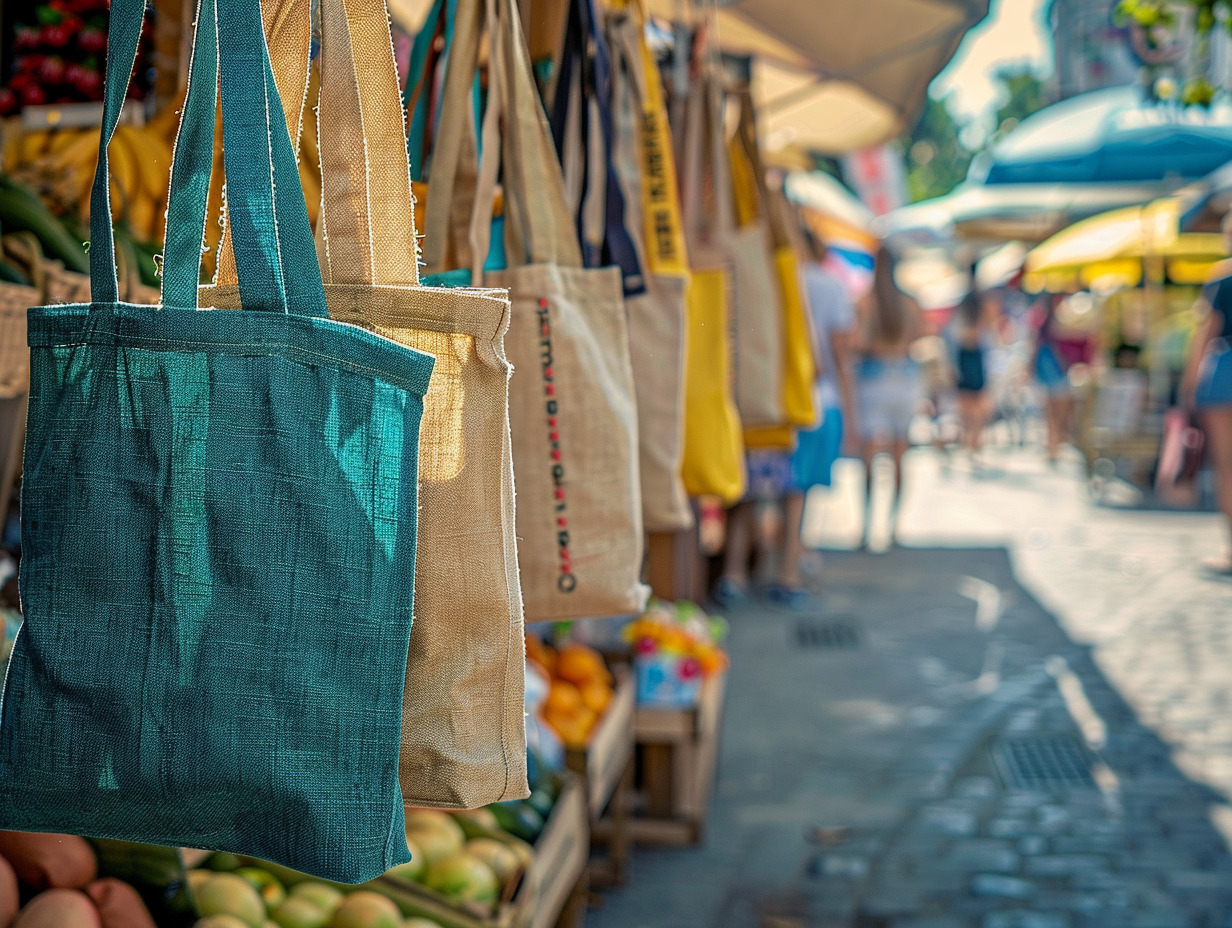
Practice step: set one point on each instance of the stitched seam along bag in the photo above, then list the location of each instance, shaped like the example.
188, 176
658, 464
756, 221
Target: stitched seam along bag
218, 524
463, 716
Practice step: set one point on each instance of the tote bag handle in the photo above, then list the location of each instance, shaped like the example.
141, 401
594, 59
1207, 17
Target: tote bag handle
266, 202
365, 177
538, 224
582, 110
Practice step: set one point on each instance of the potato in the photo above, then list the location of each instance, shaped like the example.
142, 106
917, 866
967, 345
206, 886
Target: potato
119, 905
59, 908
47, 861
10, 901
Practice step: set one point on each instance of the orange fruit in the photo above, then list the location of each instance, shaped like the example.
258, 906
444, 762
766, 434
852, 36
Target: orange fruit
596, 695
563, 699
579, 664
574, 728
541, 653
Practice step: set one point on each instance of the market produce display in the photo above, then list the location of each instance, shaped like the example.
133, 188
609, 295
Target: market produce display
580, 688
469, 862
59, 50
52, 881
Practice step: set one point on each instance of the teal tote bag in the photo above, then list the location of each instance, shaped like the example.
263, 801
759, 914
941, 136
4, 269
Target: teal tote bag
218, 524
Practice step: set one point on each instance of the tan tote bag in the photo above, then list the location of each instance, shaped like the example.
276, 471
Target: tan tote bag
642, 152
758, 321
572, 407
463, 731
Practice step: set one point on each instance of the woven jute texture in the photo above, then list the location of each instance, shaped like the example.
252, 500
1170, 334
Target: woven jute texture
573, 416
218, 525
463, 733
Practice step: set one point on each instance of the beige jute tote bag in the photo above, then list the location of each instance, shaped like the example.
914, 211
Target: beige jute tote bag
571, 401
646, 170
463, 731
758, 322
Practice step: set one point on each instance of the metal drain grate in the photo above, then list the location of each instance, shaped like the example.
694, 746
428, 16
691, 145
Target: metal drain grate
832, 633
1044, 762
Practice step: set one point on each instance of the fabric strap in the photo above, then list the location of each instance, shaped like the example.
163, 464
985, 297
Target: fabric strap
265, 200
582, 111
538, 224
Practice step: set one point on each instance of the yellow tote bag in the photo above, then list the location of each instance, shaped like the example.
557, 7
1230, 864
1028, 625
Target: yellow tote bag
799, 369
713, 460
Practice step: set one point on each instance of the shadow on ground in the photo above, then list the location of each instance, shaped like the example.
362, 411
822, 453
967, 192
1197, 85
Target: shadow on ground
928, 749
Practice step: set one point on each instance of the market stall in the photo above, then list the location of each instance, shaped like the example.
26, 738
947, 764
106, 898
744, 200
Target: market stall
608, 312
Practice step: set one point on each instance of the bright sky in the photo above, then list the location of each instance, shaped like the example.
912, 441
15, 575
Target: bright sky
1015, 32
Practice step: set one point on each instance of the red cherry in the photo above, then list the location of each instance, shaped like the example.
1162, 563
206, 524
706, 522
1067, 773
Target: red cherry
56, 36
21, 79
8, 102
90, 84
28, 64
33, 95
51, 71
92, 41
26, 39
73, 74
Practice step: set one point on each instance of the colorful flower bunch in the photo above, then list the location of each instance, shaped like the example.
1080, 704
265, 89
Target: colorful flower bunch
681, 630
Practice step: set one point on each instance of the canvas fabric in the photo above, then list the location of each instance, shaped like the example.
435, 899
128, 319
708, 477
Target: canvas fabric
642, 155
463, 719
712, 462
572, 410
218, 524
758, 318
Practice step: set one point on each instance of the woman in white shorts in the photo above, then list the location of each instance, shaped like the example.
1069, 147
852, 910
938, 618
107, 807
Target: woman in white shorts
889, 384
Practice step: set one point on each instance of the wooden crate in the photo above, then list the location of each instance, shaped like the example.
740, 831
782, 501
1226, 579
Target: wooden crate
606, 769
555, 887
679, 754
551, 894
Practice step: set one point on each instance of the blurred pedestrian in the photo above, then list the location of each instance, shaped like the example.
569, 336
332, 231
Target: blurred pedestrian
1063, 340
888, 382
777, 476
970, 332
1207, 386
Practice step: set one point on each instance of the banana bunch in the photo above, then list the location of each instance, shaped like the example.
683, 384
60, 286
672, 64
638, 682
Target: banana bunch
58, 165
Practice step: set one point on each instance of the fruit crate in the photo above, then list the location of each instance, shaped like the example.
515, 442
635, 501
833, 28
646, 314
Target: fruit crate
551, 893
678, 755
606, 768
554, 891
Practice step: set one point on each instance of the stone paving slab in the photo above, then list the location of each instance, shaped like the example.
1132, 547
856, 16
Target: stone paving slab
892, 744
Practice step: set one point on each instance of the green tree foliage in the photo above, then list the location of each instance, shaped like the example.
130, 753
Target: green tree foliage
936, 158
1023, 94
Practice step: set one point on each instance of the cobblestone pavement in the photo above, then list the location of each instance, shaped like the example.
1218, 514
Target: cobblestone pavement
1031, 733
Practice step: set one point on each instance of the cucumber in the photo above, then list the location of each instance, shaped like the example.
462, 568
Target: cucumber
21, 210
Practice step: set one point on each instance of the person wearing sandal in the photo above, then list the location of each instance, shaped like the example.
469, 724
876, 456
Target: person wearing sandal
1207, 386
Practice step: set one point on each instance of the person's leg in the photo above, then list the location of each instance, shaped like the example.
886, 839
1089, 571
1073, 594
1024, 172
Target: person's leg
1052, 422
1217, 423
896, 455
793, 545
739, 547
869, 451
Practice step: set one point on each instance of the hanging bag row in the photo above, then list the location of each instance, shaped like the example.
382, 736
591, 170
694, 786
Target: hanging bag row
572, 411
463, 735
641, 154
218, 523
